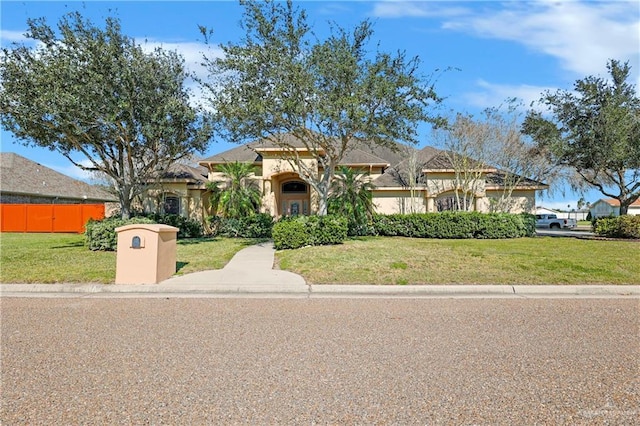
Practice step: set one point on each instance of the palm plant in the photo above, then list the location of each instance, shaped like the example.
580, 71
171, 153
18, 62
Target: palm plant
351, 196
238, 195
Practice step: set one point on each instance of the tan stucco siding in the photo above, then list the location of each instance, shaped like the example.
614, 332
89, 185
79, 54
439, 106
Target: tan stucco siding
398, 202
519, 202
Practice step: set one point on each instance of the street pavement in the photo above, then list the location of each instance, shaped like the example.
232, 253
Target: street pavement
341, 361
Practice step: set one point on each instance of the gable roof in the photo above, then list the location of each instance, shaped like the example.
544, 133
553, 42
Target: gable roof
361, 153
184, 172
19, 175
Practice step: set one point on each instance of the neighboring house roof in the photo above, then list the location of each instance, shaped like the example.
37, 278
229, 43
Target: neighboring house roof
19, 175
616, 203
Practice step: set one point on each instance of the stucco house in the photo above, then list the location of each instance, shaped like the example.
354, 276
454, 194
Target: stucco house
611, 207
285, 193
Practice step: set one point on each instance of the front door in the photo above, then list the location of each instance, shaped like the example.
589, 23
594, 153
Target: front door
294, 198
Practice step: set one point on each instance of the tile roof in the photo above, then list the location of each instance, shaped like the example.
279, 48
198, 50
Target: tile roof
19, 175
616, 203
180, 171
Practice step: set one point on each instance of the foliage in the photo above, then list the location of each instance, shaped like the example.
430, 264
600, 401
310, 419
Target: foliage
310, 96
595, 130
618, 227
187, 228
255, 226
101, 234
351, 197
301, 231
490, 147
238, 196
93, 92
456, 225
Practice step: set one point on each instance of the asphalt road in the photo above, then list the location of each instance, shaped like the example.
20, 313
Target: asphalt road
331, 361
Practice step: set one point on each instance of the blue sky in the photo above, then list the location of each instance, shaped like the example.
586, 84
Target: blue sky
501, 49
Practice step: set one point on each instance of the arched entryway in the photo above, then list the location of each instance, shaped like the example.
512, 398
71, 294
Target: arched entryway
293, 197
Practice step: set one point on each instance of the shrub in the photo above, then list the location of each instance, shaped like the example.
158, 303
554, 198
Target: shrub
456, 225
101, 234
254, 226
618, 227
187, 228
300, 231
290, 234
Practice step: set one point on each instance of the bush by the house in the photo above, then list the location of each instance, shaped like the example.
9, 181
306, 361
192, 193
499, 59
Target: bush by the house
300, 231
254, 226
456, 225
187, 228
101, 234
618, 227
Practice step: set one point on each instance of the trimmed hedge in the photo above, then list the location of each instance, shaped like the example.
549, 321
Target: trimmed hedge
618, 227
456, 225
101, 234
301, 231
187, 228
255, 226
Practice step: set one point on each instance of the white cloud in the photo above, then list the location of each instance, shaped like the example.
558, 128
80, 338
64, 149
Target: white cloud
581, 35
9, 36
400, 9
492, 94
192, 53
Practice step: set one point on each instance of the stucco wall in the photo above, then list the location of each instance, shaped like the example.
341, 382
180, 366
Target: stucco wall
397, 202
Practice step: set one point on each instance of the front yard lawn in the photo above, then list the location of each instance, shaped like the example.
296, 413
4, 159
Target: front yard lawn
540, 260
62, 258
51, 258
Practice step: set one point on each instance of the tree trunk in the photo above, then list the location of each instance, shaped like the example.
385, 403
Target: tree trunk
624, 208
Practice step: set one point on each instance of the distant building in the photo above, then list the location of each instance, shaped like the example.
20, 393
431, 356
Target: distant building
611, 207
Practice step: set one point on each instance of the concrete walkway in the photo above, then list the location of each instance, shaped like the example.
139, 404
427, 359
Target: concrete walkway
250, 273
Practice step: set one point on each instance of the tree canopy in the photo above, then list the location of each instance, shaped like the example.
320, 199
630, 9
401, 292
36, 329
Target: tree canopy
595, 129
330, 95
93, 91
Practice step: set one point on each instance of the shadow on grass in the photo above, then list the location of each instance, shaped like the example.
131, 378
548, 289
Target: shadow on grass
70, 245
243, 241
180, 265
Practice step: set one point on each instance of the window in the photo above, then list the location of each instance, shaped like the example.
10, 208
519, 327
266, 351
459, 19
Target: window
450, 203
294, 187
171, 204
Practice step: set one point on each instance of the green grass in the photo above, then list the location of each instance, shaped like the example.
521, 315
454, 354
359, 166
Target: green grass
542, 260
51, 258
58, 258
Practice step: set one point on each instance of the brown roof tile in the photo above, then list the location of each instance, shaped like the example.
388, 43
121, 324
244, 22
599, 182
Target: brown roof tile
19, 175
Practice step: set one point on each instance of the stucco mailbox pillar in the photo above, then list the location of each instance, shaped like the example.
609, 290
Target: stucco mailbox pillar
146, 253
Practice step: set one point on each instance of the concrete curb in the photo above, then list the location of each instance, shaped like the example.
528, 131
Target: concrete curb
478, 290
320, 290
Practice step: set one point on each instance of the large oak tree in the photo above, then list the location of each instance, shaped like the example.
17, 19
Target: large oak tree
324, 97
92, 92
595, 129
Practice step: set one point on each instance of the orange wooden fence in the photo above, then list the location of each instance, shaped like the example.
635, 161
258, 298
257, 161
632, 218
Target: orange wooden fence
48, 217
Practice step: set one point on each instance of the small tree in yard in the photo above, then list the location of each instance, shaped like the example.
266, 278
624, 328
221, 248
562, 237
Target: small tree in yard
492, 146
324, 97
351, 196
595, 130
238, 196
92, 92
